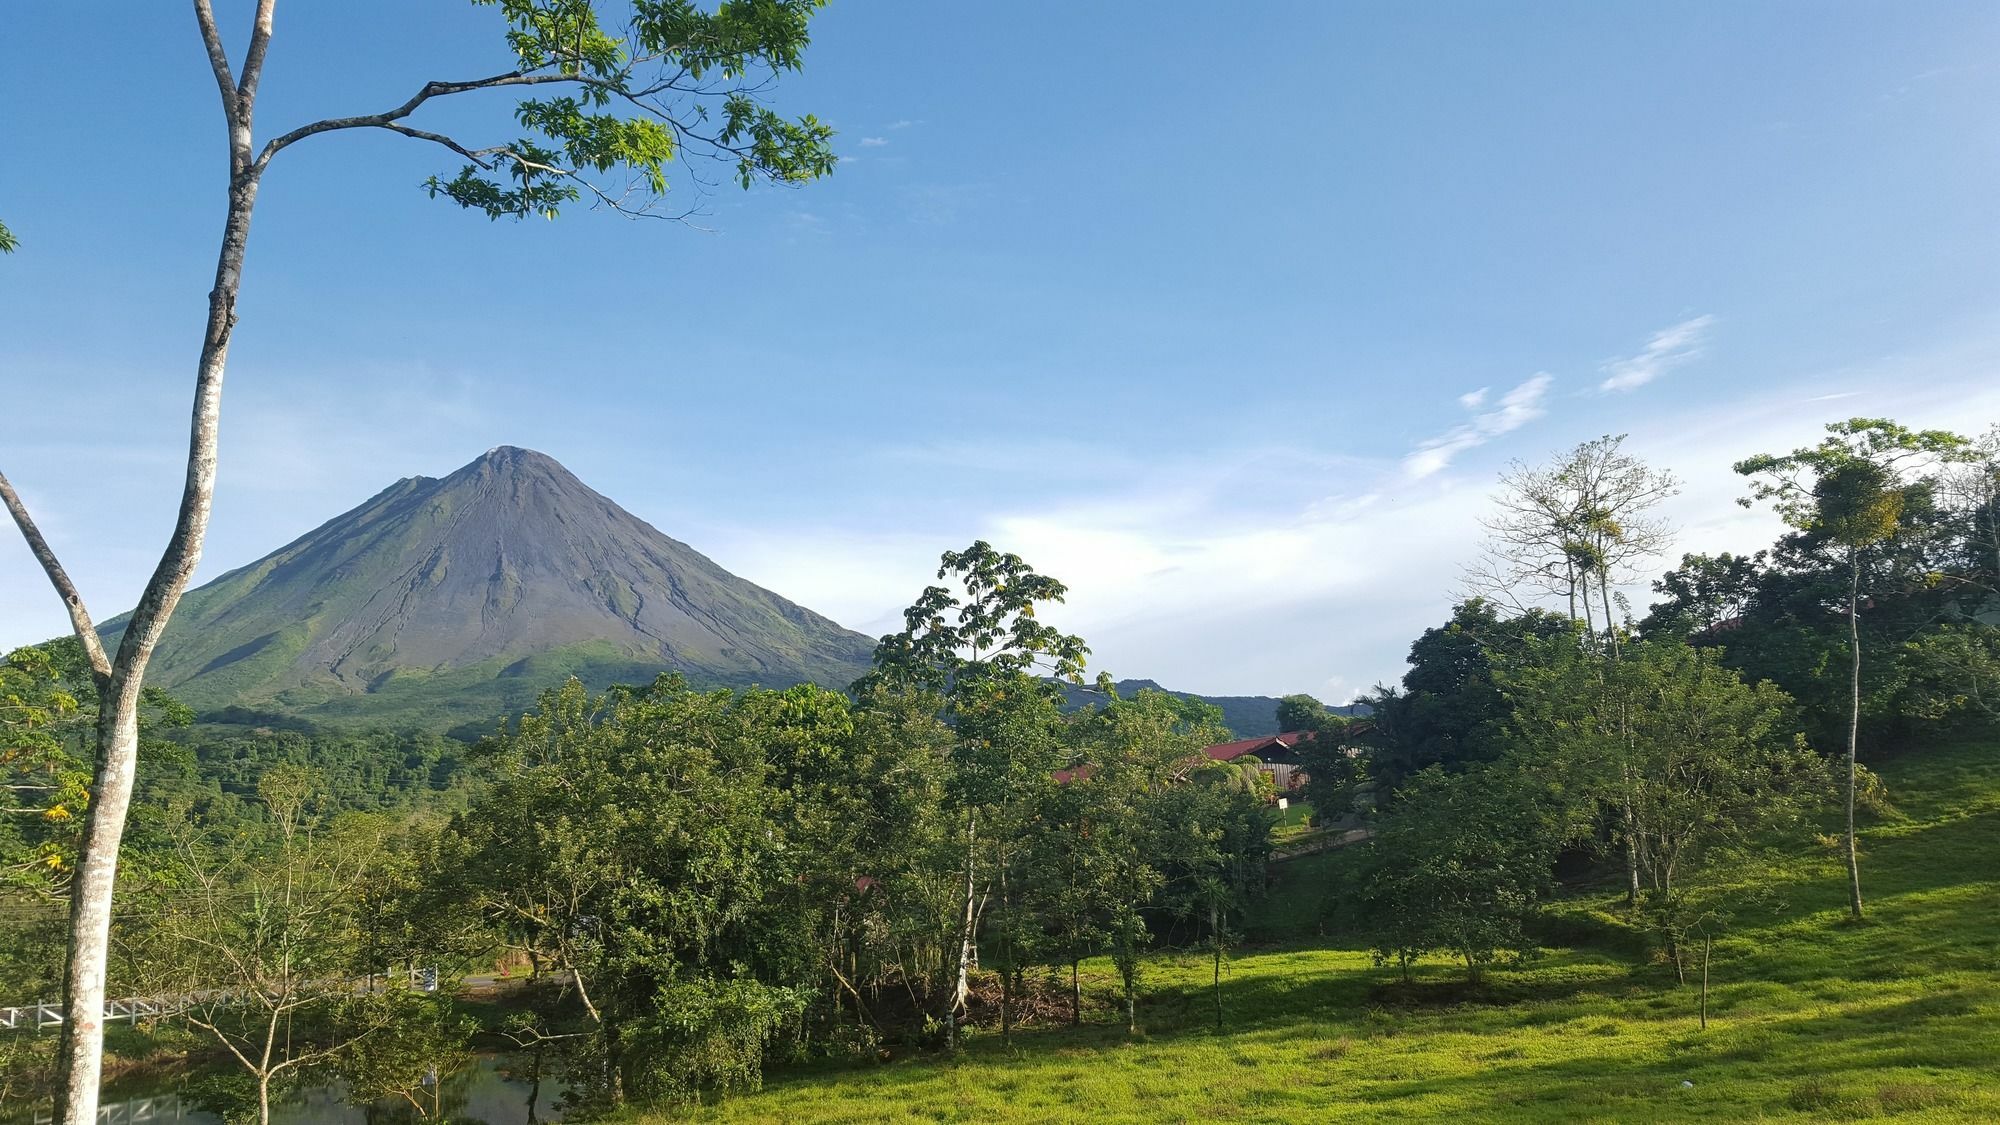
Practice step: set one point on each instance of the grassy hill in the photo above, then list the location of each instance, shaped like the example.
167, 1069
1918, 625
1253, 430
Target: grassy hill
1811, 1019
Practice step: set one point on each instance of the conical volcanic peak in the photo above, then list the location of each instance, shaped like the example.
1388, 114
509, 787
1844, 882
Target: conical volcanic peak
465, 594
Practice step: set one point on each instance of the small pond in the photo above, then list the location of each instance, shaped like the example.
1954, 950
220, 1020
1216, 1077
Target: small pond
484, 1091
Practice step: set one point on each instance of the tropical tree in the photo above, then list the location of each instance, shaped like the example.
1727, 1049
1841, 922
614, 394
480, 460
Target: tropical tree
1450, 710
1704, 594
1299, 712
1715, 780
1459, 866
624, 843
605, 116
42, 782
981, 649
1851, 492
410, 1054
1105, 834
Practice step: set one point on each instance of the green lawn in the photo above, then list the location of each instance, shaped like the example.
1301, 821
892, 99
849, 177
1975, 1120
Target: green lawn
1292, 820
1810, 1018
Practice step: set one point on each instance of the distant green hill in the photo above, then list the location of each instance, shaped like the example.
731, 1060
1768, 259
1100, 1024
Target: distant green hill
455, 601
1250, 716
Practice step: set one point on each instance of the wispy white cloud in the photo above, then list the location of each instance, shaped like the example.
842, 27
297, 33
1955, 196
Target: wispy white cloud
1668, 349
1473, 400
1515, 409
1208, 588
902, 124
874, 142
1834, 397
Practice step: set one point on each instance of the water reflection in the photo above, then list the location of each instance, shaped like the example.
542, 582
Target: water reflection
484, 1092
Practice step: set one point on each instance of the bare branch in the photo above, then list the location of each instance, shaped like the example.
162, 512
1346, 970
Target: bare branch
430, 90
79, 617
253, 60
218, 56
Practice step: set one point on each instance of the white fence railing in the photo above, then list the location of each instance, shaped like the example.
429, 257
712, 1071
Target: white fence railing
167, 1107
41, 1017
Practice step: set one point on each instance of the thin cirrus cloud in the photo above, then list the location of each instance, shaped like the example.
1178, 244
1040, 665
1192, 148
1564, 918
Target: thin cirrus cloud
1669, 348
874, 142
1515, 409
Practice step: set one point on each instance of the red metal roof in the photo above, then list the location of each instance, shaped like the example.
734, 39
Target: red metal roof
1229, 751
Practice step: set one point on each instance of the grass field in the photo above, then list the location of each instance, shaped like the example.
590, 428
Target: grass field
1810, 1018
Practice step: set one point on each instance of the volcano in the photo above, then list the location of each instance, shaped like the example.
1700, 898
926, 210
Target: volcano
450, 600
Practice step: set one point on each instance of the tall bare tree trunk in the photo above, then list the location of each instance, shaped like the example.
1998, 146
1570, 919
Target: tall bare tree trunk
1215, 934
1075, 991
962, 982
1853, 722
81, 1053
1007, 957
1630, 811
1707, 947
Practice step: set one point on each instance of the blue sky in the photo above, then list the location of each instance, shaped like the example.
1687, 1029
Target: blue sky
1226, 315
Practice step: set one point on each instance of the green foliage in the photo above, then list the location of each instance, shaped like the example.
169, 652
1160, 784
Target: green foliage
625, 840
8, 243
1451, 711
415, 1038
680, 81
1300, 712
708, 1035
43, 781
48, 716
1129, 833
953, 644
1705, 592
1850, 487
1697, 772
1460, 865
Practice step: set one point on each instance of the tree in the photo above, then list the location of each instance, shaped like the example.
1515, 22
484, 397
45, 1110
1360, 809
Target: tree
1972, 487
1212, 844
982, 650
42, 783
681, 83
1459, 865
8, 243
1579, 526
409, 1054
1705, 593
48, 707
1851, 491
1329, 755
625, 844
1714, 780
1105, 831
264, 934
1958, 664
1450, 711
1300, 712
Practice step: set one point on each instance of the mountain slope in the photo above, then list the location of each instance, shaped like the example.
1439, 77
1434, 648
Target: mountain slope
460, 598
